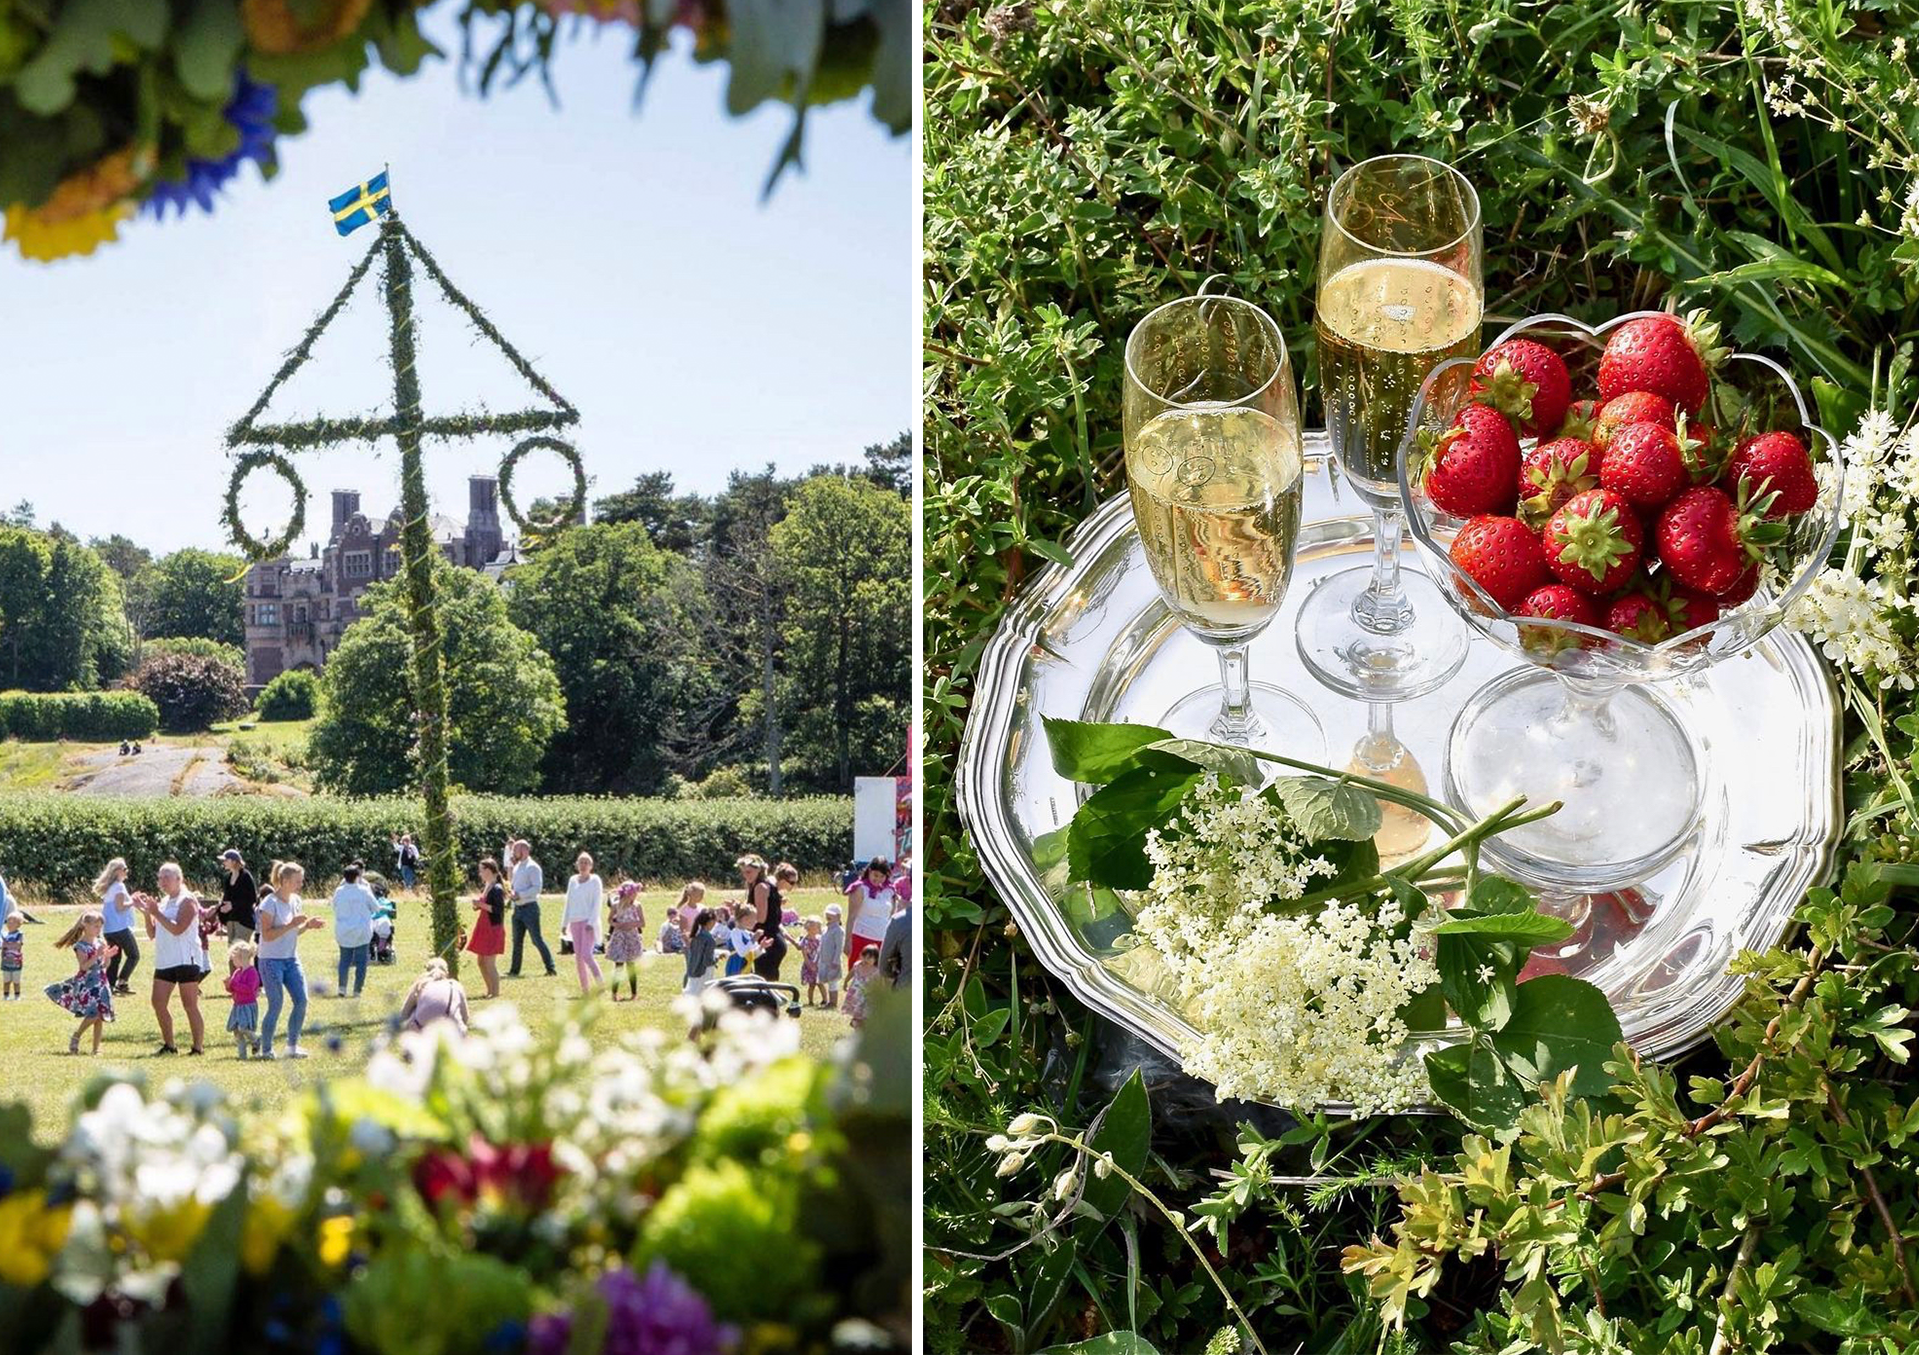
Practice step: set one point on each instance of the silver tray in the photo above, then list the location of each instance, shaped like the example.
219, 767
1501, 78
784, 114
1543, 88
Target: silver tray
1094, 642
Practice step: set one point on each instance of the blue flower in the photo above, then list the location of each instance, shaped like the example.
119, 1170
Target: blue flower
508, 1338
6, 1179
250, 111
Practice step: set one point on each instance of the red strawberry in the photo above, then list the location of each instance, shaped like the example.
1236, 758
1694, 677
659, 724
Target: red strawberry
1645, 465
1593, 543
1502, 556
1742, 591
1578, 422
1625, 410
1664, 355
1561, 603
1775, 463
1526, 381
1707, 540
1473, 466
1638, 617
1551, 473
1690, 610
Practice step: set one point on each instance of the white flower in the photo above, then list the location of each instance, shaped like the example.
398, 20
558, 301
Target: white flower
1024, 1123
1011, 1163
1484, 973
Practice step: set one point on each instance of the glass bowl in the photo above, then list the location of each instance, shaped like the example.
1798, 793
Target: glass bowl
1583, 722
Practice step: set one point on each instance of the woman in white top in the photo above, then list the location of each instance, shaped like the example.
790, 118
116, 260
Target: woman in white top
174, 918
280, 918
871, 901
581, 920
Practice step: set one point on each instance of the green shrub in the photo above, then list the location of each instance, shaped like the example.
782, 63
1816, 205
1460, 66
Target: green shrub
293, 695
56, 843
193, 691
724, 783
198, 646
85, 717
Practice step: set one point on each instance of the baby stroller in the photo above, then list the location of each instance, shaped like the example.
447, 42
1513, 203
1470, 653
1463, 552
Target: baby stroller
383, 924
749, 993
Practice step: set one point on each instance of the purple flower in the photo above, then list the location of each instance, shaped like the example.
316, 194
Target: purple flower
655, 1314
251, 111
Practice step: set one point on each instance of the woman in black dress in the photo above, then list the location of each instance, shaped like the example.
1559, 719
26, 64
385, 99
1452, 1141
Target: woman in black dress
764, 897
238, 897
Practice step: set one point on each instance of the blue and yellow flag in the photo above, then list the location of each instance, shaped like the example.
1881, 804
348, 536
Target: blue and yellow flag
357, 206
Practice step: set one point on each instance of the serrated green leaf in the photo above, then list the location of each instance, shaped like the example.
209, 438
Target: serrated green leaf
1497, 894
1096, 753
1560, 1023
1106, 842
1233, 764
1531, 928
1474, 1083
1326, 809
1482, 1000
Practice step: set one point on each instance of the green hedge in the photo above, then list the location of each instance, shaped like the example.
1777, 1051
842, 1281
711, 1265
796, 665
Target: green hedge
92, 717
57, 843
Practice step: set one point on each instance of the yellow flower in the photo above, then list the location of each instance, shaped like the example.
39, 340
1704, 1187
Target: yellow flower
336, 1239
267, 1224
31, 1235
169, 1234
83, 212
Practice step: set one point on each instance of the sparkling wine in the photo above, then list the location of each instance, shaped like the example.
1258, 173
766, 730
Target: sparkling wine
1402, 832
1382, 326
1216, 493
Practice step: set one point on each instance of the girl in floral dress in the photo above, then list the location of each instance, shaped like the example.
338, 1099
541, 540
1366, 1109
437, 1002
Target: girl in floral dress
626, 939
865, 970
809, 947
87, 994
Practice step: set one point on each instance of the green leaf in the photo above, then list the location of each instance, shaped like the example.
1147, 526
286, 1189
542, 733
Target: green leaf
990, 1026
1328, 809
1531, 928
1106, 844
1560, 1023
1230, 763
1497, 894
1473, 1082
1482, 1001
1097, 753
1425, 1010
1127, 1133
1111, 1343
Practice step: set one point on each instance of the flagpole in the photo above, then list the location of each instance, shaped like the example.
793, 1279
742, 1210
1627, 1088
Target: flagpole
423, 621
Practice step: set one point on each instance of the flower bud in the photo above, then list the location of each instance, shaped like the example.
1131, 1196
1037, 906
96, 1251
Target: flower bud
1011, 1163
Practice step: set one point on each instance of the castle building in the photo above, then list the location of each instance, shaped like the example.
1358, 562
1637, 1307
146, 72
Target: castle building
297, 609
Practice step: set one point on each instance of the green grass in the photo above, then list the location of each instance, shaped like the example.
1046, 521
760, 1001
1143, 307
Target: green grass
275, 748
338, 1031
36, 766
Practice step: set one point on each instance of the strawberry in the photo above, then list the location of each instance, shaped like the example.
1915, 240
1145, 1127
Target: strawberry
1502, 556
1645, 465
1561, 603
1690, 609
1775, 463
1527, 382
1703, 448
1624, 410
1551, 473
1638, 617
1741, 591
1664, 355
1594, 541
1708, 539
1473, 466
1578, 422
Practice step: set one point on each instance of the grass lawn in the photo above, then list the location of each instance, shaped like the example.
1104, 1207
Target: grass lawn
338, 1032
273, 752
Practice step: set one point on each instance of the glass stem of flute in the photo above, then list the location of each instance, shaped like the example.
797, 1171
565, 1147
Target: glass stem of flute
1235, 696
1382, 608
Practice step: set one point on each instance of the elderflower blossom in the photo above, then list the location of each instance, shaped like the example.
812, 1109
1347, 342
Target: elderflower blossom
1300, 1010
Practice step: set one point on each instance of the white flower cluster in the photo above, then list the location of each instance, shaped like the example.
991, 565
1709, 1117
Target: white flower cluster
1859, 610
144, 1157
1300, 1010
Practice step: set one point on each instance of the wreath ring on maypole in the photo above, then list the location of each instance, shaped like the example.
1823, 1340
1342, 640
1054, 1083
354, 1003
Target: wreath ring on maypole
571, 511
273, 547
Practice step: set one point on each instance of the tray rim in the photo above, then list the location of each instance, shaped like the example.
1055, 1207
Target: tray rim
1008, 869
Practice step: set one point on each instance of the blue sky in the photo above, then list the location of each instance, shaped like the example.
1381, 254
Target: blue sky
628, 255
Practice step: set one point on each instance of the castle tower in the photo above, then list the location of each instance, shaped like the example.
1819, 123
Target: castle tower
484, 535
346, 502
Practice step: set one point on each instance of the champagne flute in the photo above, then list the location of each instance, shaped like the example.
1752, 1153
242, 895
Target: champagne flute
1214, 466
1400, 291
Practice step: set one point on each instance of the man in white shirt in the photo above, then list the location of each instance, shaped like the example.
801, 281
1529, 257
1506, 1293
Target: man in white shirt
353, 908
527, 881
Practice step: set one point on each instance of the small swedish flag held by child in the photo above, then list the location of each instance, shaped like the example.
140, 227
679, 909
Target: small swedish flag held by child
357, 206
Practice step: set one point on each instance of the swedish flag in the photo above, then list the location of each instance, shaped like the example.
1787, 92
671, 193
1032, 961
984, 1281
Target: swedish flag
357, 206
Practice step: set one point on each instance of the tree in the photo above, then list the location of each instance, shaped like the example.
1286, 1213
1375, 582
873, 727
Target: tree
191, 690
65, 627
122, 555
675, 522
743, 626
503, 699
844, 554
194, 592
890, 464
292, 695
610, 610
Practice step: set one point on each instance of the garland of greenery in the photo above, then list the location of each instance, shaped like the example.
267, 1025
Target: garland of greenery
272, 547
570, 511
408, 425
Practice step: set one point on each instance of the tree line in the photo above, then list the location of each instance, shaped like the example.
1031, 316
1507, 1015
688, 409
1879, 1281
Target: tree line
757, 639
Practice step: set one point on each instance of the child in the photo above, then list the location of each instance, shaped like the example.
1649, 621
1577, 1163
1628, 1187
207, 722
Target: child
687, 910
625, 942
809, 948
865, 970
243, 985
701, 952
832, 955
87, 994
745, 943
13, 957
